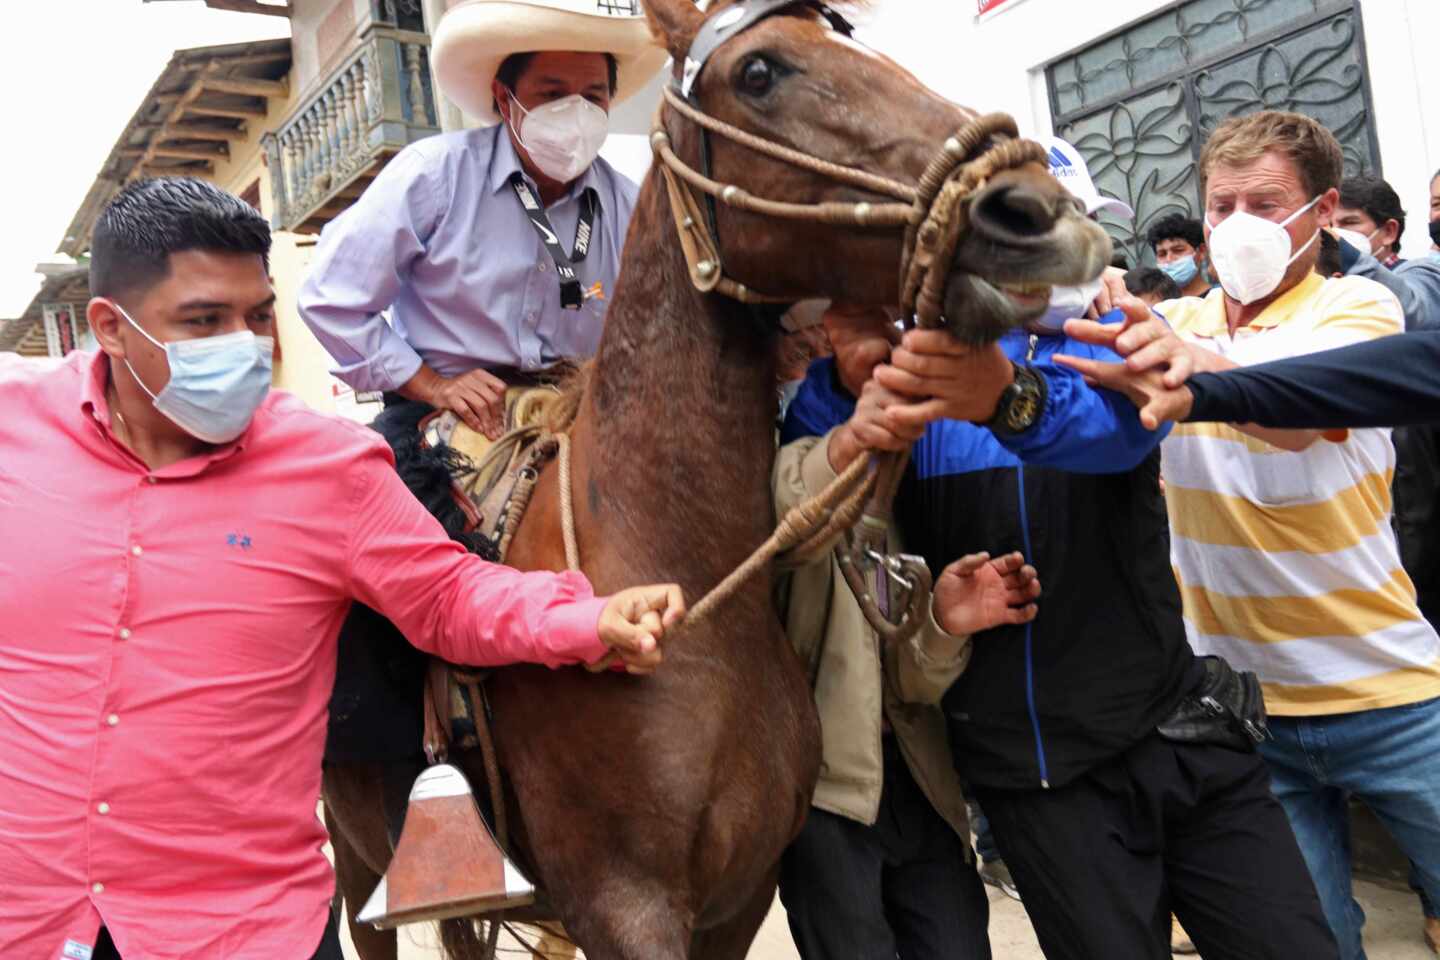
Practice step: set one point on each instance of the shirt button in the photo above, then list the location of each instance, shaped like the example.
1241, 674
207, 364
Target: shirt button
125, 633
103, 809
97, 888
136, 550
151, 480
113, 719
542, 266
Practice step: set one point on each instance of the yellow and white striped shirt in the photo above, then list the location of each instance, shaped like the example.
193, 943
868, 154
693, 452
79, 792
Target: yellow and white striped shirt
1286, 562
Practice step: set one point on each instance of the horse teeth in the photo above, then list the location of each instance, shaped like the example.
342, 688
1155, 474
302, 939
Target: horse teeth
1025, 289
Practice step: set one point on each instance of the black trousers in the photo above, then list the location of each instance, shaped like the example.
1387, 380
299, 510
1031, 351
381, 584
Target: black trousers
900, 888
329, 945
1101, 862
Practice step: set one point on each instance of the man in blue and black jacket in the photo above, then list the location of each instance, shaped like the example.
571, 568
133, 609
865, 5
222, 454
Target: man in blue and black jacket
1105, 825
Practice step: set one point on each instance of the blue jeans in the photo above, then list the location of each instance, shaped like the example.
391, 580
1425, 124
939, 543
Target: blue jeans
1390, 759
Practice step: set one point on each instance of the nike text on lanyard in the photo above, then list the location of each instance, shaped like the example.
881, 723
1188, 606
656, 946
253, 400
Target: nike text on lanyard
572, 295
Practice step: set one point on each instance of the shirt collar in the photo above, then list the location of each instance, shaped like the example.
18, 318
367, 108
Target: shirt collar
1213, 322
95, 406
92, 387
505, 162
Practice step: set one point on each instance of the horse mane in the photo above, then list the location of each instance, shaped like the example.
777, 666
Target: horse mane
562, 411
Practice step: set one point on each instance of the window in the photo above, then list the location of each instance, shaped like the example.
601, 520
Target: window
405, 14
1139, 104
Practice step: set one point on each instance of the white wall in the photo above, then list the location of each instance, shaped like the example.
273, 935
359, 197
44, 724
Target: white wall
997, 63
1399, 37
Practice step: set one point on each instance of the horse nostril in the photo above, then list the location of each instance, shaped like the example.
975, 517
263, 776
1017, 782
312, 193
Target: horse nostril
1009, 211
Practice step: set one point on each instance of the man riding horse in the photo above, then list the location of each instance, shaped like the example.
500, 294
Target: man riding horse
492, 250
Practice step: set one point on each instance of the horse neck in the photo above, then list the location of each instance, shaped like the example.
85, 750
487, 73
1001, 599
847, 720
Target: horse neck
681, 406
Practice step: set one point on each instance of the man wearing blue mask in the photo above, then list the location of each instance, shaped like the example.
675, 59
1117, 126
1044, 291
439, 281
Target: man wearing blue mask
1179, 245
162, 739
477, 260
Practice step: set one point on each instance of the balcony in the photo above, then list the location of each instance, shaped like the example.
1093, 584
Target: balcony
374, 104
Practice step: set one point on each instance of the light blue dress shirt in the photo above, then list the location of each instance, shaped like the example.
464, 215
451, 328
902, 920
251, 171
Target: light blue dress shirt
441, 240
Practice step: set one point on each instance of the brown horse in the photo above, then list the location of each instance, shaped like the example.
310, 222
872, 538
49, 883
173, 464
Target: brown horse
653, 811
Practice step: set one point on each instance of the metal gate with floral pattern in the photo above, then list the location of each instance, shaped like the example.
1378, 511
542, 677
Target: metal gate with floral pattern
1139, 103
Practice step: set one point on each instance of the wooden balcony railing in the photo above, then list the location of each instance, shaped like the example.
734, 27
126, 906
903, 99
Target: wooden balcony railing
374, 104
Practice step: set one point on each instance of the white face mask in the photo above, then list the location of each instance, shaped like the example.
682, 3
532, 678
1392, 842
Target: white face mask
1251, 254
1066, 303
216, 383
1357, 239
563, 137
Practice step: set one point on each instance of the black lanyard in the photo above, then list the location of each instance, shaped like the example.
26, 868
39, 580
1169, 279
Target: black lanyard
572, 297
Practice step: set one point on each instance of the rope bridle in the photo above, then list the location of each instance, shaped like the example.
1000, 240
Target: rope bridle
934, 215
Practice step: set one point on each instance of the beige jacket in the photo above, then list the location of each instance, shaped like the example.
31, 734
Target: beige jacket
854, 683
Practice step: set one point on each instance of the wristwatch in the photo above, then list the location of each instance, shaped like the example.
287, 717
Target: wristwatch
1021, 403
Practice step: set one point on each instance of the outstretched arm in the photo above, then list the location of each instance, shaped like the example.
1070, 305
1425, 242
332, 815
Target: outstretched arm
1393, 381
1387, 382
466, 610
1081, 429
1147, 343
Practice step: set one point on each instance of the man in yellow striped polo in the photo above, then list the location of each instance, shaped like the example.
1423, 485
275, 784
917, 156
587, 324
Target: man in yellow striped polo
1281, 539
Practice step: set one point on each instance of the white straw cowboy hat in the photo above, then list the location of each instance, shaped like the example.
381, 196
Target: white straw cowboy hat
475, 37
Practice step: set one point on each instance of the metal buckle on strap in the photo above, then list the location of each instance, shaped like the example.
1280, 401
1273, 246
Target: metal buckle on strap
895, 606
900, 568
734, 21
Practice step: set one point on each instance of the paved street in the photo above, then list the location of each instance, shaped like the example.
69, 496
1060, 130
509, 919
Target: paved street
1392, 933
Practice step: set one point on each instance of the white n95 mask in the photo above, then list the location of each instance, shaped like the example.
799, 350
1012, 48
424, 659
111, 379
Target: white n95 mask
1251, 254
216, 383
1066, 303
1356, 239
564, 137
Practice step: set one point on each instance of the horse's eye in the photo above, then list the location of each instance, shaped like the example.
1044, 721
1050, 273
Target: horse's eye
758, 77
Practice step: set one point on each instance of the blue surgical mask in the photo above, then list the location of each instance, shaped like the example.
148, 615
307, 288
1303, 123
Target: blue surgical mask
1182, 271
216, 383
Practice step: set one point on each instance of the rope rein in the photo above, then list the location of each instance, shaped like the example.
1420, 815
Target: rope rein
935, 216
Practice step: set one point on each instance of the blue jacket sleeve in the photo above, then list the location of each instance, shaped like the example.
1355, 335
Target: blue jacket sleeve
819, 406
1417, 288
1083, 429
1422, 276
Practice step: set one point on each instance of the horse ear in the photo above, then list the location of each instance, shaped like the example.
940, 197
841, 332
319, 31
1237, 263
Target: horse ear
674, 24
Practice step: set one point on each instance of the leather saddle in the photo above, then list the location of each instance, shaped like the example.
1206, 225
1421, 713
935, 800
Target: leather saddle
448, 862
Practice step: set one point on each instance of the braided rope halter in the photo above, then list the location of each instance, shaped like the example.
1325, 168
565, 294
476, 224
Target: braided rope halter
934, 215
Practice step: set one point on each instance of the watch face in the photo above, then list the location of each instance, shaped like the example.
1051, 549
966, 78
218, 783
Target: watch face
1024, 410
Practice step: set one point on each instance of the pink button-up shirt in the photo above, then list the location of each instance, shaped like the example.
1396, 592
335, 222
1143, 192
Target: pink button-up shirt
167, 651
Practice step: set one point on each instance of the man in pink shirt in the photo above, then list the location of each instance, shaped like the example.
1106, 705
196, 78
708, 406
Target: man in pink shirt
179, 548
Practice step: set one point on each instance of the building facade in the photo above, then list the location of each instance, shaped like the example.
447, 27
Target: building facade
300, 127
1137, 85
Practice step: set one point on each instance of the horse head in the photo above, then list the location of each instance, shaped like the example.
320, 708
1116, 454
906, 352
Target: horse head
758, 83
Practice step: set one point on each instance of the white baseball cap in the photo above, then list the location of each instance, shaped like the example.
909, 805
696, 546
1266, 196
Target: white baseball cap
1067, 166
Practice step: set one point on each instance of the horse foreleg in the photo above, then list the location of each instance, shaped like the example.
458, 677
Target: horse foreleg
731, 939
351, 876
630, 921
